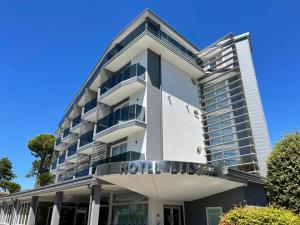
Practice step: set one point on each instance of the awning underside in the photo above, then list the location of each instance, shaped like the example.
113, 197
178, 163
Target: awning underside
180, 187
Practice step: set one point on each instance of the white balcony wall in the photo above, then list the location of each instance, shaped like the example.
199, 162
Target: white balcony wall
182, 131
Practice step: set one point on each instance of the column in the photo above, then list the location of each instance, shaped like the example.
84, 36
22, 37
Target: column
32, 210
13, 212
94, 209
57, 208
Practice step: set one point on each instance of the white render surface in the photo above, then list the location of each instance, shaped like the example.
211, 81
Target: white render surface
254, 105
182, 131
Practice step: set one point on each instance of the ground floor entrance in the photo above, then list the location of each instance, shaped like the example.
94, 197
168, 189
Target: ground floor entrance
173, 215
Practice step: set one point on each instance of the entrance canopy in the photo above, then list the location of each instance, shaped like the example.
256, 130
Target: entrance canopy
166, 180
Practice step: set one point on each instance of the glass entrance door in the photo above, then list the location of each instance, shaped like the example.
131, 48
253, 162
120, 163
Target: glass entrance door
172, 215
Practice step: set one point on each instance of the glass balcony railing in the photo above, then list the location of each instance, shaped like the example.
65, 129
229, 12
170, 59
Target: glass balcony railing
54, 164
66, 132
76, 121
61, 159
86, 138
58, 141
153, 28
72, 150
82, 172
90, 105
126, 156
132, 112
135, 70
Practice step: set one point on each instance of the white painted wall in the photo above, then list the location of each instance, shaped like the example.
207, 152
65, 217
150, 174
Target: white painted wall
254, 105
182, 131
137, 141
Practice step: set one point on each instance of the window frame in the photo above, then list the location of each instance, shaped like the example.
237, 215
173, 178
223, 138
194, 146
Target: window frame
208, 208
118, 144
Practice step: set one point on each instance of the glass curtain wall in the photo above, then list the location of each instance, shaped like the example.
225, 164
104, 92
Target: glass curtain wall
227, 131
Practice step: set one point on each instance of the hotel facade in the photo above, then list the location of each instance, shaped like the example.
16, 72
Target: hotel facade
160, 133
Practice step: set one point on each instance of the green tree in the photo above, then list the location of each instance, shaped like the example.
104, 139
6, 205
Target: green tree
41, 147
45, 179
6, 172
283, 173
10, 186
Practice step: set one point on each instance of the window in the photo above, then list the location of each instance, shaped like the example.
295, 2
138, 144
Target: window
213, 215
119, 149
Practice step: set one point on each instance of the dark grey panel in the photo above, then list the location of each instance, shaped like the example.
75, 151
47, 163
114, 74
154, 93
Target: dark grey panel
195, 211
154, 107
256, 194
252, 194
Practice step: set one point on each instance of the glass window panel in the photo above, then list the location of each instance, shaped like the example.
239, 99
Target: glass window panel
228, 138
213, 215
216, 141
226, 131
230, 154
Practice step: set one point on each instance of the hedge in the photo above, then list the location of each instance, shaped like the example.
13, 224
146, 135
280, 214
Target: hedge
259, 216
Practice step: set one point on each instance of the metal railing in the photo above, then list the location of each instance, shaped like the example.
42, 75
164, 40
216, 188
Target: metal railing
134, 70
132, 112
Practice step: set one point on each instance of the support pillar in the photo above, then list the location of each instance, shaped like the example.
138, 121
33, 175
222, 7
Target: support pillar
57, 208
94, 209
13, 212
32, 210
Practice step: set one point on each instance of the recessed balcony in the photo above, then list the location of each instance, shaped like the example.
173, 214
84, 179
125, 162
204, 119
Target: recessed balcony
58, 144
71, 156
121, 123
122, 85
66, 136
90, 110
53, 165
75, 124
61, 160
85, 143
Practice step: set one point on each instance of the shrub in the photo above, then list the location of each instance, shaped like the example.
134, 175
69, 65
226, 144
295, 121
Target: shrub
283, 173
259, 216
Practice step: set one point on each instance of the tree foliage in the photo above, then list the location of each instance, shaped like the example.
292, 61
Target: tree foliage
45, 179
41, 147
10, 186
6, 172
283, 174
259, 216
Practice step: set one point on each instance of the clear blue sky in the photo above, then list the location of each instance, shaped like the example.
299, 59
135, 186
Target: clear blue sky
48, 48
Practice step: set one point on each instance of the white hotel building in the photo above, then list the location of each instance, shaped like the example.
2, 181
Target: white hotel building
161, 133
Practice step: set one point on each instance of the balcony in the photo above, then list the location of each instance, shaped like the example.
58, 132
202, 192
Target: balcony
75, 125
66, 136
53, 165
122, 85
126, 156
90, 110
86, 143
71, 153
58, 144
61, 159
121, 123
